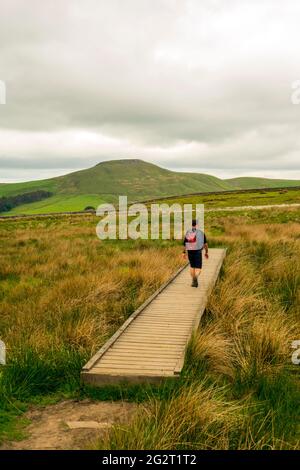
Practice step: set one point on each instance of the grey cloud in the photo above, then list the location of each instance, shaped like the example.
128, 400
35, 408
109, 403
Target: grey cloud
207, 83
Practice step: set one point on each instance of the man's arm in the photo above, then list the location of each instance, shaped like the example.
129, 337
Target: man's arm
205, 246
184, 250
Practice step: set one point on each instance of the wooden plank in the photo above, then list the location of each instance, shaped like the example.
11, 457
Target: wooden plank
173, 301
137, 362
163, 327
133, 369
136, 359
141, 338
164, 330
100, 380
133, 355
175, 308
161, 322
162, 318
141, 346
144, 351
160, 352
156, 338
181, 313
167, 314
156, 332
142, 341
153, 320
141, 355
169, 320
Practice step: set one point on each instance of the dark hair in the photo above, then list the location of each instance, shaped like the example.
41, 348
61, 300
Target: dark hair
194, 222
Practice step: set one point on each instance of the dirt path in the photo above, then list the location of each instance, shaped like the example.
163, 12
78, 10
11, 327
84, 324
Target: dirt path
70, 424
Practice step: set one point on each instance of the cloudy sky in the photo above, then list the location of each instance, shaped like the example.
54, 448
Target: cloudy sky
190, 85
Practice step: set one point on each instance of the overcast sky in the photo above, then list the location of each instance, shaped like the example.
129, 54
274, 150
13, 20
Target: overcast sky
193, 85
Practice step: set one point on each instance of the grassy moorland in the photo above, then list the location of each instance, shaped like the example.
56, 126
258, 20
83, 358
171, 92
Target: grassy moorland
63, 293
239, 389
253, 198
137, 179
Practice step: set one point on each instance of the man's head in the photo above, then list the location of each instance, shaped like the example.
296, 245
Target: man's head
194, 223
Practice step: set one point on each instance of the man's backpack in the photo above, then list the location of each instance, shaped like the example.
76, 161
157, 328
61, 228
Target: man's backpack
191, 240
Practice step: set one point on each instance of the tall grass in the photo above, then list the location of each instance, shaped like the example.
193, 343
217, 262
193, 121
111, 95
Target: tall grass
238, 389
195, 418
63, 293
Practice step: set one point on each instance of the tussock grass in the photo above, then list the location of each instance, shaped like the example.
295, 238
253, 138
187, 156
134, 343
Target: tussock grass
63, 293
238, 389
195, 418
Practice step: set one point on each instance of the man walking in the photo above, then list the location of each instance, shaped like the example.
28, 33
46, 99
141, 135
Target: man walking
194, 242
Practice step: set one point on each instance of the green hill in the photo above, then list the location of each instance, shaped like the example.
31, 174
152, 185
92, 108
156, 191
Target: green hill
137, 179
248, 182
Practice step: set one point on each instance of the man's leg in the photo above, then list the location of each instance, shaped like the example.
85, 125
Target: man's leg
194, 277
192, 272
197, 272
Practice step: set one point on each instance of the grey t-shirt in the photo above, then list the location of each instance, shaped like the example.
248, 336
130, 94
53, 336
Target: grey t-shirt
194, 239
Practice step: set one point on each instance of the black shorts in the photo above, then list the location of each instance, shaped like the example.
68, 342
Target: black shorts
195, 258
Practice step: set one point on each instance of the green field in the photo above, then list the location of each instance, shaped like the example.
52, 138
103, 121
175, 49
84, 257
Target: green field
134, 178
58, 204
63, 293
247, 182
253, 198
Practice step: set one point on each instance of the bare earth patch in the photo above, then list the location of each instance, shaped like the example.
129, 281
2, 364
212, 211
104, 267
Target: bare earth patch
71, 424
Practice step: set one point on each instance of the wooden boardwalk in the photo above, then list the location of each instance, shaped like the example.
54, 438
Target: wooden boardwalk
150, 346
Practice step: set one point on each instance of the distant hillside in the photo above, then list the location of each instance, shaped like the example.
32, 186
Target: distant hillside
248, 182
137, 179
